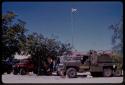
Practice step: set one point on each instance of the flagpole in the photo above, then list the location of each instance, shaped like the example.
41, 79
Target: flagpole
72, 28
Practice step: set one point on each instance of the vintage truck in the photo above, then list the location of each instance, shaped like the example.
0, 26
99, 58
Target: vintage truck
26, 65
23, 67
98, 64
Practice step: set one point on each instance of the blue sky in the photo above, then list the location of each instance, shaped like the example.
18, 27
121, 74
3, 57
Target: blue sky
90, 21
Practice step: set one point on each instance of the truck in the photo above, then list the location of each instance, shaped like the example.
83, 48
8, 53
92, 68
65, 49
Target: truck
23, 67
98, 64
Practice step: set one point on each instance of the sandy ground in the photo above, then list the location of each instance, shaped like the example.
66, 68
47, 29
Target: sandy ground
32, 78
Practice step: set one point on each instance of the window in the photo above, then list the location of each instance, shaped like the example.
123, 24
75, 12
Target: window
84, 59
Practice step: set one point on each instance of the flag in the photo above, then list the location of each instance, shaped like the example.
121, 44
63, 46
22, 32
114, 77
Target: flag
74, 10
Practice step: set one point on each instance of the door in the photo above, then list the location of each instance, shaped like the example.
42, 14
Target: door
85, 63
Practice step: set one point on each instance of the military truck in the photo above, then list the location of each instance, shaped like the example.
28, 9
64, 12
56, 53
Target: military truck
97, 64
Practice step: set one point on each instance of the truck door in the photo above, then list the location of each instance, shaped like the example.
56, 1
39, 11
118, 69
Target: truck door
85, 63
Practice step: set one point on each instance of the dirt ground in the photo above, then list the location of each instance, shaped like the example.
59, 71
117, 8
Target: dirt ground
32, 78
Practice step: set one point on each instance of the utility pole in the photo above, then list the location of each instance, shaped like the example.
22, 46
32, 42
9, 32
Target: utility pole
72, 28
72, 22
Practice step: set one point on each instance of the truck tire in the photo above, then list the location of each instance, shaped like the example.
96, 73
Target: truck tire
118, 73
107, 72
71, 72
22, 71
9, 71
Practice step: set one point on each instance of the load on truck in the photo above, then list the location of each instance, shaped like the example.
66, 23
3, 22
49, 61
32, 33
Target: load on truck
98, 64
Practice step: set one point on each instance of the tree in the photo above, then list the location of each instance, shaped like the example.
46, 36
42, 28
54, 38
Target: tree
117, 37
42, 49
13, 35
36, 47
117, 42
65, 48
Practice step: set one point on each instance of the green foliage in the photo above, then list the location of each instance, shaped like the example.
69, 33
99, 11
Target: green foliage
117, 42
117, 37
41, 48
12, 34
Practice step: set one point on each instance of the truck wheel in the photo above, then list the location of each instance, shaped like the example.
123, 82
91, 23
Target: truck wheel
118, 73
71, 72
22, 71
107, 72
